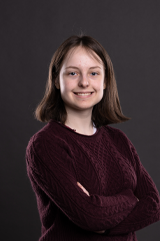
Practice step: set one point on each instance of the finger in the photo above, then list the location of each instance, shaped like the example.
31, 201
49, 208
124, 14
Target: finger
84, 190
80, 185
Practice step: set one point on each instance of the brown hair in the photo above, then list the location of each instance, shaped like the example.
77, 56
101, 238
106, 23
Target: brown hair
107, 111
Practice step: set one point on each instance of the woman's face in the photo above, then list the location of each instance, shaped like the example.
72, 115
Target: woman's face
81, 72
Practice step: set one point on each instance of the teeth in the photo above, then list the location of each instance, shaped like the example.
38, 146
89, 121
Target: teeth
84, 93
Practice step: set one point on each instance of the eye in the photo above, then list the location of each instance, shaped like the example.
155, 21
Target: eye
94, 73
71, 73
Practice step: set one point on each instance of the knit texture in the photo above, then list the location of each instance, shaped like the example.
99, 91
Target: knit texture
107, 165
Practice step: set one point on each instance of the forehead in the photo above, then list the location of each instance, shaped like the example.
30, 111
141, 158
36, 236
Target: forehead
74, 52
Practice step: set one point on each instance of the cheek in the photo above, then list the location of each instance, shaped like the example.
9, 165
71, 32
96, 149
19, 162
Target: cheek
99, 87
66, 89
100, 90
65, 85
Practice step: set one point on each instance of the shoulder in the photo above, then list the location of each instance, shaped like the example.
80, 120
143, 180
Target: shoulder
48, 132
47, 149
116, 133
120, 140
47, 140
38, 138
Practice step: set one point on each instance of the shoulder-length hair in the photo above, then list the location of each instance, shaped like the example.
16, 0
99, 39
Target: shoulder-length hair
107, 111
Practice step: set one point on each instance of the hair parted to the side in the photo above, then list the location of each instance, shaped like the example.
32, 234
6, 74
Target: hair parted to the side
107, 111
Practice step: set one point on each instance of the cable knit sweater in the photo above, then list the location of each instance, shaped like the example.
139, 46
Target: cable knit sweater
107, 165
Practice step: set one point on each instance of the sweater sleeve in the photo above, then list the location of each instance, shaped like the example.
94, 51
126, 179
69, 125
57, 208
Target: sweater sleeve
51, 168
147, 210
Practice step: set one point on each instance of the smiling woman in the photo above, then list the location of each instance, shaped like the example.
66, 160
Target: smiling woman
82, 91
86, 175
71, 70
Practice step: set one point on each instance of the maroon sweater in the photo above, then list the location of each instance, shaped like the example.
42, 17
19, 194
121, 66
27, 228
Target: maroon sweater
108, 167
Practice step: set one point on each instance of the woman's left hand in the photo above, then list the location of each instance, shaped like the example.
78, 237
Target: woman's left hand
84, 190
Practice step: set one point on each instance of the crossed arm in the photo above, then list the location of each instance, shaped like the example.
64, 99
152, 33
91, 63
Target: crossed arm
147, 210
121, 213
85, 191
55, 176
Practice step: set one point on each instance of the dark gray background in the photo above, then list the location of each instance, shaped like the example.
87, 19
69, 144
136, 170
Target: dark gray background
31, 31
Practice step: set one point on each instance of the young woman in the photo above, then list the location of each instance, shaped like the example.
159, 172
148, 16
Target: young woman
86, 175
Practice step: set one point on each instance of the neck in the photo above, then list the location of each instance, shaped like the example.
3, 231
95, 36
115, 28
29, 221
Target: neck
80, 121
84, 131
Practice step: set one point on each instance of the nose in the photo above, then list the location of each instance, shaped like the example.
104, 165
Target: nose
83, 81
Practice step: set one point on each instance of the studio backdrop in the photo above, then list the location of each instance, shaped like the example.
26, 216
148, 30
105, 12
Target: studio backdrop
31, 31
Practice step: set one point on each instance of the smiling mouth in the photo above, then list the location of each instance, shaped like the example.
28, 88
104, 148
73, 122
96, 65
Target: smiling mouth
84, 94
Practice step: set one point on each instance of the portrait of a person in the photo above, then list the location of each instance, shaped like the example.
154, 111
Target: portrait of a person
87, 176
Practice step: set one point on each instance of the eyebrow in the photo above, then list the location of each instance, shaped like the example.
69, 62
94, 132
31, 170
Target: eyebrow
74, 67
